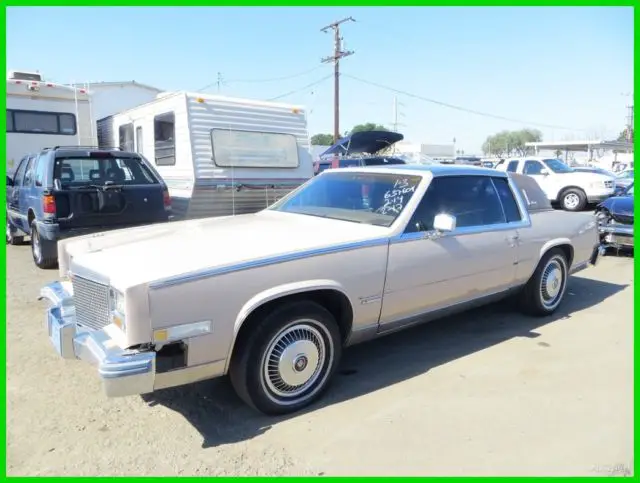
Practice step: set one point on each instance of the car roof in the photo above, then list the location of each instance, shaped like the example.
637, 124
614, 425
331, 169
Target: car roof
424, 169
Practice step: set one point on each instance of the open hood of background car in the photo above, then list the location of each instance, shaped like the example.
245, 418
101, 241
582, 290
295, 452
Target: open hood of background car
365, 142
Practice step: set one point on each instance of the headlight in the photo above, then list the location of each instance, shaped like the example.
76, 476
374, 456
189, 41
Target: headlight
116, 307
597, 184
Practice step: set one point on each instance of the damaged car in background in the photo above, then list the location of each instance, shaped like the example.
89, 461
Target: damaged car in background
361, 149
352, 255
615, 220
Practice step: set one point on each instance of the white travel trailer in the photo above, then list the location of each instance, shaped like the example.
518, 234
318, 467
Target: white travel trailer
218, 155
44, 114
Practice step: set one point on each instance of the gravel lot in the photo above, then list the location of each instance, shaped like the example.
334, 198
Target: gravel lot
488, 392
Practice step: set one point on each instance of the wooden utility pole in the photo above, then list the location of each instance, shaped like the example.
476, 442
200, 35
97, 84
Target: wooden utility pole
338, 54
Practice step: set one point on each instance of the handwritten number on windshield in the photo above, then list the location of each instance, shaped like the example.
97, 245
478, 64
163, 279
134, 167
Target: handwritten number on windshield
394, 198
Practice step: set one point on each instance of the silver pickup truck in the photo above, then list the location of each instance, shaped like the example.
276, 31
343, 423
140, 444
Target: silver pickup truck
272, 298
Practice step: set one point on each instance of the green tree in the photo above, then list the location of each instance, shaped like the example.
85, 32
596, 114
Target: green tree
509, 143
368, 126
322, 139
623, 135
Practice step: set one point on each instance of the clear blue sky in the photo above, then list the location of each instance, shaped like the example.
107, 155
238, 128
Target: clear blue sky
558, 66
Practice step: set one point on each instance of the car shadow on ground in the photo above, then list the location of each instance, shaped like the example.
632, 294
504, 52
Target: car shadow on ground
222, 418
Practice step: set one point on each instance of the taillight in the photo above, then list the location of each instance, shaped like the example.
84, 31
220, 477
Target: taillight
166, 198
49, 204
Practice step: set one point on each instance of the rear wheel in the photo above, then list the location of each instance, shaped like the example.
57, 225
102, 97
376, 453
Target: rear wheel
11, 238
573, 199
43, 251
287, 361
546, 288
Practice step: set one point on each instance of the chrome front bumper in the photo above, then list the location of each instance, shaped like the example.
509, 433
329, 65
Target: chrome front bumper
614, 235
123, 372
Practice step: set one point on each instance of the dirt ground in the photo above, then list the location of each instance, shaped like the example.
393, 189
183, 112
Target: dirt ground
486, 393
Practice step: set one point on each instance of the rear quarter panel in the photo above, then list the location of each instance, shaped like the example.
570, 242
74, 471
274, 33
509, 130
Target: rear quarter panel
229, 298
552, 228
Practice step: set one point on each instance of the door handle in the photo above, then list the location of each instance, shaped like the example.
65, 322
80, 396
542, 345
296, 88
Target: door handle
513, 239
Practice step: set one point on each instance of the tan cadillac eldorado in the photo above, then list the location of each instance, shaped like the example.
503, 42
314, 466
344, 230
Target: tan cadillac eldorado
272, 298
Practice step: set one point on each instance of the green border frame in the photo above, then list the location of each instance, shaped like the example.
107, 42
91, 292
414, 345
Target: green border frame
299, 3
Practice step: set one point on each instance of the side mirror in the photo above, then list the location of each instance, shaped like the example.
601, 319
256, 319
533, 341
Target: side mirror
444, 223
9, 181
544, 172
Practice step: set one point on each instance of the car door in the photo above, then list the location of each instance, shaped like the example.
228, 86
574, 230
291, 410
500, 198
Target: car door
477, 259
13, 194
547, 182
26, 195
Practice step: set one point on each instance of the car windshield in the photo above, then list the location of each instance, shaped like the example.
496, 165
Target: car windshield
558, 166
83, 172
370, 198
629, 190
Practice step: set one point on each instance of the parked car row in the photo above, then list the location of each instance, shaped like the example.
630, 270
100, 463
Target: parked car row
354, 254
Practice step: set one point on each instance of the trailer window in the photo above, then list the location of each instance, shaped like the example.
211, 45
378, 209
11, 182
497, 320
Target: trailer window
125, 135
250, 149
40, 122
164, 126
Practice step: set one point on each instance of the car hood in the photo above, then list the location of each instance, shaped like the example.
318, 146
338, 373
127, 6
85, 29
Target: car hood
365, 142
586, 177
149, 254
619, 205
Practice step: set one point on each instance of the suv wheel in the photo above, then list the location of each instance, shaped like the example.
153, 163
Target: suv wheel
43, 251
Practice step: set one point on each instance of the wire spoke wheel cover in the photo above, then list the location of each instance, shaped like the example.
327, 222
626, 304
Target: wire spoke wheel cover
552, 283
296, 361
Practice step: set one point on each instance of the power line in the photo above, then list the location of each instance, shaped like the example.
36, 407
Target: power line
459, 108
271, 79
301, 88
338, 54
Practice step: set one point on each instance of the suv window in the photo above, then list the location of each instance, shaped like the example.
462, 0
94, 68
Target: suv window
512, 166
532, 167
29, 172
19, 174
41, 170
509, 203
79, 172
473, 200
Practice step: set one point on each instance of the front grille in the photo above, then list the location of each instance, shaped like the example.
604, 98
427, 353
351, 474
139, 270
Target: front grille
92, 303
608, 184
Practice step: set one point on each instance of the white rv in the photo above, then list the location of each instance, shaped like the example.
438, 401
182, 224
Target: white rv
43, 114
218, 155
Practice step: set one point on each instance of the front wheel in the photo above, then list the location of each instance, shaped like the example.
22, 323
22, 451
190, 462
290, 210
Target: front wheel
11, 238
546, 288
573, 199
288, 360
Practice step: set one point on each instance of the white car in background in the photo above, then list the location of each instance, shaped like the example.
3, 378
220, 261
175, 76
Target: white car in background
573, 190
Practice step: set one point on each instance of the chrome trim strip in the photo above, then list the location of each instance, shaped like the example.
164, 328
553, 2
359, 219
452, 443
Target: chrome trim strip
616, 229
216, 271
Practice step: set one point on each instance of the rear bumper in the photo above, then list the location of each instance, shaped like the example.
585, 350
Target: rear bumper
122, 372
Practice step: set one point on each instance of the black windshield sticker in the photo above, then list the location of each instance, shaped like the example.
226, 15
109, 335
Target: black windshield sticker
394, 198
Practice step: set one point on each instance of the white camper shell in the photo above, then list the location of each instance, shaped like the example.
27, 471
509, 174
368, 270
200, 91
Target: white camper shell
218, 155
43, 114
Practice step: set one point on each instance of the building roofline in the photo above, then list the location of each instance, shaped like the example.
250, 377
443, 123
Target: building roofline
117, 83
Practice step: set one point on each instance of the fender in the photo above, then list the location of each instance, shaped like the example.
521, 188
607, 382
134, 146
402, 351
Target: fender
274, 293
548, 246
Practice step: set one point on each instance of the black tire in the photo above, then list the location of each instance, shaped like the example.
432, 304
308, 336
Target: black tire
573, 199
537, 297
43, 251
11, 238
314, 335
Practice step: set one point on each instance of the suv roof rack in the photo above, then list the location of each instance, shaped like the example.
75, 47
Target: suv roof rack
96, 148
